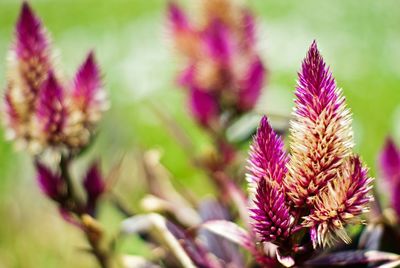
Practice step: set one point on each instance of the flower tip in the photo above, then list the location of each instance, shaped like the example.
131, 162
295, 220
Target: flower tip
176, 15
49, 183
26, 14
93, 181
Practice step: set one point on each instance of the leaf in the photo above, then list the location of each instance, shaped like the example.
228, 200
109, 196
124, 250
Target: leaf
344, 258
230, 231
155, 222
225, 250
187, 251
285, 260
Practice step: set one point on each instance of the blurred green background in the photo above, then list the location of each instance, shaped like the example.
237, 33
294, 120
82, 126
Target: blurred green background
359, 39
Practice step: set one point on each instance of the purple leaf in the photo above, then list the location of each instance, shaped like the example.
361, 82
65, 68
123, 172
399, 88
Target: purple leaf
345, 258
230, 231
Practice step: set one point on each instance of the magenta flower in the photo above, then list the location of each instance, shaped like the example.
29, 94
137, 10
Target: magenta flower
271, 215
203, 106
51, 111
344, 200
86, 103
321, 186
41, 112
28, 65
50, 183
389, 161
320, 134
94, 186
220, 55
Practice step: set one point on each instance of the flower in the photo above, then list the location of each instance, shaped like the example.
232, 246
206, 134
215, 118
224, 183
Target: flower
267, 159
267, 166
389, 161
86, 103
50, 112
50, 183
42, 111
344, 199
220, 55
321, 185
29, 63
321, 137
94, 186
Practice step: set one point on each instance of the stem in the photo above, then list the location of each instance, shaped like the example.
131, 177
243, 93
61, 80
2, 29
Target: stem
74, 205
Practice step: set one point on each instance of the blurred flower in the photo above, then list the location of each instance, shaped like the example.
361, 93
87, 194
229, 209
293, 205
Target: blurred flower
94, 186
320, 185
50, 183
41, 112
29, 63
221, 56
50, 112
389, 161
86, 103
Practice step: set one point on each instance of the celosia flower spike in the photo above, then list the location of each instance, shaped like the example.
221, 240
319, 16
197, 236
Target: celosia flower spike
51, 112
390, 169
177, 17
320, 134
389, 161
251, 85
87, 83
203, 106
344, 201
28, 67
271, 215
51, 184
267, 166
31, 37
94, 186
86, 104
267, 160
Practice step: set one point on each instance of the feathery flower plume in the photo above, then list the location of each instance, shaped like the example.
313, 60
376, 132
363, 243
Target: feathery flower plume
40, 112
271, 215
320, 133
220, 54
86, 103
29, 63
267, 166
321, 186
346, 198
267, 159
389, 161
50, 112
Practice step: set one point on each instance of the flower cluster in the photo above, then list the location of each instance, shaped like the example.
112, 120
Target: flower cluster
224, 71
41, 109
321, 185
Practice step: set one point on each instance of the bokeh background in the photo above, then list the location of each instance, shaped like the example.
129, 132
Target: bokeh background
359, 39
